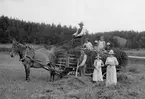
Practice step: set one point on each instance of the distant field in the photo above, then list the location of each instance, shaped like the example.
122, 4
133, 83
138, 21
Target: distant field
132, 52
135, 52
10, 45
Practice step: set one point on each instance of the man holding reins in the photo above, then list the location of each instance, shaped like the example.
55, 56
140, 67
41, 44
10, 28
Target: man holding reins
79, 34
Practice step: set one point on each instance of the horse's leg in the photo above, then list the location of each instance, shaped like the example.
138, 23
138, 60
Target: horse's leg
50, 76
53, 75
51, 72
27, 72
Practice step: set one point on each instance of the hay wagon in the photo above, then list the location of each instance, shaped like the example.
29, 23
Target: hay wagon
67, 62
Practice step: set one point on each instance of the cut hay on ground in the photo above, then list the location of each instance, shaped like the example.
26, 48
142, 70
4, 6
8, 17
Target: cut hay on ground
83, 88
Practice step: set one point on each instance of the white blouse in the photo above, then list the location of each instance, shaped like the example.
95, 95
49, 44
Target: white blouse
112, 61
83, 32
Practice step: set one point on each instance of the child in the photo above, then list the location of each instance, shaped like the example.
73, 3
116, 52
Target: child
97, 74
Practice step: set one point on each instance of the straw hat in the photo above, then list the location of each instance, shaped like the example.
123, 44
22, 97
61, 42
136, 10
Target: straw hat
111, 52
108, 43
96, 41
81, 24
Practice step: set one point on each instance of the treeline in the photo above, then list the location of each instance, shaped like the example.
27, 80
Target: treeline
134, 39
41, 33
30, 32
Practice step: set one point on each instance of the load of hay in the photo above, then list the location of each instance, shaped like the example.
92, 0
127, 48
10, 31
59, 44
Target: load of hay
120, 55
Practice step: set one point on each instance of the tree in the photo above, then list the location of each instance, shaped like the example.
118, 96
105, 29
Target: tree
141, 41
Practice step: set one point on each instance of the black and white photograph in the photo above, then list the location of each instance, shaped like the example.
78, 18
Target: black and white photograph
72, 49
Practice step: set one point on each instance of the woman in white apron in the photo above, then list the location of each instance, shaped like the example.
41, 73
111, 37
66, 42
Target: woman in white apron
97, 74
111, 76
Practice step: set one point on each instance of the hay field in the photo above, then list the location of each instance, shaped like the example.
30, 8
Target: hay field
135, 52
10, 45
131, 84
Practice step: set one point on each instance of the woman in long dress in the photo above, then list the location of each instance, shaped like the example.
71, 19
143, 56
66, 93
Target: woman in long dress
111, 63
97, 74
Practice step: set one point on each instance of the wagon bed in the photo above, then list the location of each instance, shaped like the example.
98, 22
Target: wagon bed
68, 61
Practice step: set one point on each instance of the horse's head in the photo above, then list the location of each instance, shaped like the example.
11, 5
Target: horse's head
17, 48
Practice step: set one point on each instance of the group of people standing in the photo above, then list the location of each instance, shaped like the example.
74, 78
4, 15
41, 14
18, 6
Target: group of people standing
111, 63
111, 75
100, 46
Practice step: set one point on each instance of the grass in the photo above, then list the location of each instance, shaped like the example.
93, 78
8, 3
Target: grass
7, 47
129, 52
10, 45
134, 52
133, 70
131, 83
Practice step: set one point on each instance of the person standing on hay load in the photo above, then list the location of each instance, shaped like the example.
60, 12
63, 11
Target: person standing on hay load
101, 44
111, 75
97, 74
108, 47
88, 45
80, 33
96, 46
82, 63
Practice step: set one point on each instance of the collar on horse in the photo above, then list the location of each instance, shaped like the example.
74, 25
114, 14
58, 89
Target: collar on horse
26, 55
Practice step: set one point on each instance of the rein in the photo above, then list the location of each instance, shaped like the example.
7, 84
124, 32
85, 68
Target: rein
21, 48
24, 50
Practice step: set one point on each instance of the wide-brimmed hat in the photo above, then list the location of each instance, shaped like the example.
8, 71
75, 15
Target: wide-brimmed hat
96, 41
111, 52
81, 24
108, 43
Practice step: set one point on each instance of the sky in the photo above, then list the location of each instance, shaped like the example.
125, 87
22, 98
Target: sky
97, 15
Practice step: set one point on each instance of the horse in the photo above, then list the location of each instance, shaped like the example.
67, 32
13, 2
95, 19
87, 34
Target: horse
31, 58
